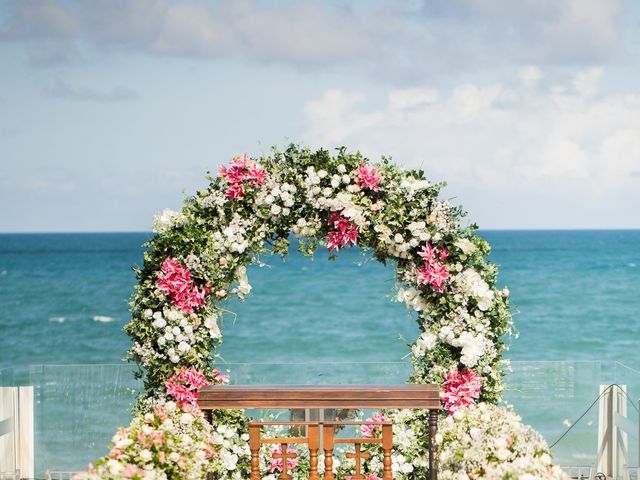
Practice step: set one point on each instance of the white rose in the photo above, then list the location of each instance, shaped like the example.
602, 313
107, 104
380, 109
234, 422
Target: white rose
342, 168
184, 347
275, 209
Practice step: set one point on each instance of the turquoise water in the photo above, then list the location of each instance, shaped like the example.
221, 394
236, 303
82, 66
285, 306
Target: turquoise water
575, 295
63, 300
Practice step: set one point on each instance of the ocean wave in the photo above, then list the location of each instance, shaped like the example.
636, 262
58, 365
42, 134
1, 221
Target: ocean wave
103, 318
3, 273
57, 319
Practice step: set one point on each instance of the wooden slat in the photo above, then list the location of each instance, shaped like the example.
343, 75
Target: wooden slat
320, 396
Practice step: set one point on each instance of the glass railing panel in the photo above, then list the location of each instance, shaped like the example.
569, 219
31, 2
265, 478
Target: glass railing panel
78, 409
552, 396
347, 373
7, 377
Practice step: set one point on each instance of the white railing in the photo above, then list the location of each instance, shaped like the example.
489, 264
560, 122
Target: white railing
16, 432
615, 428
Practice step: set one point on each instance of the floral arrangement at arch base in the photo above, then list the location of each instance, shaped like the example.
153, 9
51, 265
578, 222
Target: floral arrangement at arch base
199, 257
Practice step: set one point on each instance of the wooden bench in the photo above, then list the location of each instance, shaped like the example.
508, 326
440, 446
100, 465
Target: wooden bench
425, 397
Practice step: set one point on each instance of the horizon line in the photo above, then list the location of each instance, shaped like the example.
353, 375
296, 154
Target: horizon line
515, 229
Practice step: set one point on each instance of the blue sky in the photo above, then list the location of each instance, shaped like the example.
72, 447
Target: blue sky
109, 110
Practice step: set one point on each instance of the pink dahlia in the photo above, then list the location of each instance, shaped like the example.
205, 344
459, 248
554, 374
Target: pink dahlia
175, 281
368, 177
460, 389
242, 172
344, 232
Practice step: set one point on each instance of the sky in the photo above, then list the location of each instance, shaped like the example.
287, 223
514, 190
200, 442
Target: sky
112, 110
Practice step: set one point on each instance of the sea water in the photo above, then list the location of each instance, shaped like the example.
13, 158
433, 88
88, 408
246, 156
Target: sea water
575, 296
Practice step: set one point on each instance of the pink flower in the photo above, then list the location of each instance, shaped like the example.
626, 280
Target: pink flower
175, 281
276, 463
373, 425
460, 389
433, 273
181, 393
428, 253
344, 232
192, 377
371, 476
368, 177
242, 171
219, 377
184, 386
131, 470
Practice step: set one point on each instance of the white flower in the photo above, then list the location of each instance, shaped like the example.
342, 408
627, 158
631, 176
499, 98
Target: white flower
167, 219
115, 467
275, 209
145, 455
472, 284
465, 245
186, 418
159, 323
228, 460
473, 347
212, 325
184, 347
244, 288
342, 168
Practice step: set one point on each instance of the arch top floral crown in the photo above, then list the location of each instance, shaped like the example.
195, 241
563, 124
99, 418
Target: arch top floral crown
199, 256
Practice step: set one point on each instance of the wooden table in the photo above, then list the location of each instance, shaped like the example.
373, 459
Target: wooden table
425, 397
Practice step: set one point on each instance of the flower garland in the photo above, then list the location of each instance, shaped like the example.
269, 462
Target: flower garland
199, 256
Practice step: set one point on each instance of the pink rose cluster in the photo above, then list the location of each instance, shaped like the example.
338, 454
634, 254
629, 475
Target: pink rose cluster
373, 425
371, 476
276, 463
175, 281
368, 177
344, 232
433, 273
242, 171
460, 389
184, 385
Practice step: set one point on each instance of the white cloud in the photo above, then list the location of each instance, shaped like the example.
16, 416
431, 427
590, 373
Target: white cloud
517, 142
386, 39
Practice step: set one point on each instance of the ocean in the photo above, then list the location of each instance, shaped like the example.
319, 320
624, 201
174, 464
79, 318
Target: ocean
575, 296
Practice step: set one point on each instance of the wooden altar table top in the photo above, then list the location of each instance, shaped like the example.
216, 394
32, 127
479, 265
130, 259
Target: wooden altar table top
320, 396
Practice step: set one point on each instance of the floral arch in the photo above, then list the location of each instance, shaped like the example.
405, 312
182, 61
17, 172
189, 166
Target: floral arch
198, 259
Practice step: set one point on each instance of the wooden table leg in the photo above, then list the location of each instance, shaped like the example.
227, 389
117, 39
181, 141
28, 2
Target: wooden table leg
327, 445
314, 444
387, 448
433, 430
254, 446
